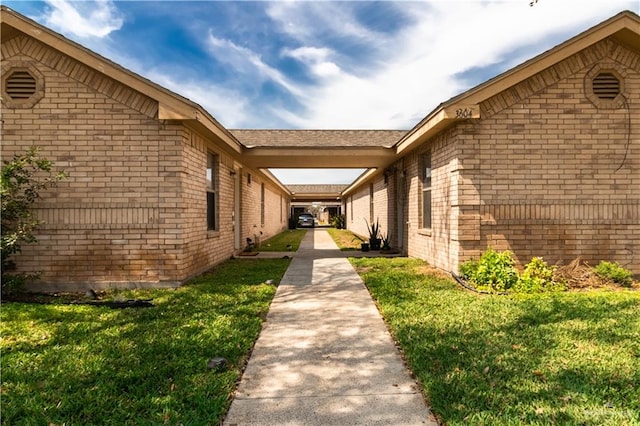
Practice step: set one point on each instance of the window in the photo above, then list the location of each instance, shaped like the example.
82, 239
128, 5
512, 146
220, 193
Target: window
351, 204
212, 192
426, 190
371, 203
262, 204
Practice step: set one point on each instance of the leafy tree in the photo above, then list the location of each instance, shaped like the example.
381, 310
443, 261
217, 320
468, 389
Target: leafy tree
21, 181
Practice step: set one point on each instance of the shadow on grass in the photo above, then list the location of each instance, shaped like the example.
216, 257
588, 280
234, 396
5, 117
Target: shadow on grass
79, 364
570, 358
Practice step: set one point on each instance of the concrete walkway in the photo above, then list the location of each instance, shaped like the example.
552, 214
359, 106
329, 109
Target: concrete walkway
324, 356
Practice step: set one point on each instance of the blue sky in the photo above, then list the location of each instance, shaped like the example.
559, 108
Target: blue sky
320, 64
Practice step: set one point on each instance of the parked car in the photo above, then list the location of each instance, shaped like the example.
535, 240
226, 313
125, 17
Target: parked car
306, 220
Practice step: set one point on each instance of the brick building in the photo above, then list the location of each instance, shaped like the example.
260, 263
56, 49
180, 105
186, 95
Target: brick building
157, 190
542, 160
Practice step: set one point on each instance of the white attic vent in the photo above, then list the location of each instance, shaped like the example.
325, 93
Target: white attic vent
606, 86
20, 85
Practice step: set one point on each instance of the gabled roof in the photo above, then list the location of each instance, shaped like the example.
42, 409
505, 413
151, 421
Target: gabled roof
171, 106
623, 27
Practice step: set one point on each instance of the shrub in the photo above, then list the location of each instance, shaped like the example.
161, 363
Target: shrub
21, 181
614, 272
338, 221
537, 277
468, 269
494, 271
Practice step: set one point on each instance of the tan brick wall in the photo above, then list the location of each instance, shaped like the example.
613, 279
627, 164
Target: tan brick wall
105, 222
132, 211
275, 207
358, 210
438, 244
555, 175
540, 173
383, 208
203, 248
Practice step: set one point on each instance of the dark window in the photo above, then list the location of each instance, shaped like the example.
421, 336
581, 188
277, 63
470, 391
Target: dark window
212, 192
371, 203
262, 204
426, 190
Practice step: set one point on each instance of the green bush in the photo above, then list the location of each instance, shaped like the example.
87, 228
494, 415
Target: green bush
338, 222
22, 179
537, 277
493, 272
468, 269
614, 272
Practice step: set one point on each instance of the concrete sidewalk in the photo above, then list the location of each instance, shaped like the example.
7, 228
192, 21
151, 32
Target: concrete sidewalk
324, 356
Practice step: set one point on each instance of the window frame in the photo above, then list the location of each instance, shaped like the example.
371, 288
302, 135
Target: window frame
426, 180
212, 196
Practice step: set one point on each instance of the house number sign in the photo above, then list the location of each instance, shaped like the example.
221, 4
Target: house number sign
464, 113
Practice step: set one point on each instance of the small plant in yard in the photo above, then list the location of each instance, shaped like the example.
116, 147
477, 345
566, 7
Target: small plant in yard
614, 272
374, 234
493, 272
338, 221
537, 277
21, 182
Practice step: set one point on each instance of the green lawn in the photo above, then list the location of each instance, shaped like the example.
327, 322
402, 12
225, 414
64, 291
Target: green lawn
283, 240
346, 240
562, 359
87, 365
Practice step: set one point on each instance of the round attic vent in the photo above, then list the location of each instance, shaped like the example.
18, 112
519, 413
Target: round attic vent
606, 86
20, 85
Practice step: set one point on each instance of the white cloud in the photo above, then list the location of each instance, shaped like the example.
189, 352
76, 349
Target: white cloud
315, 59
416, 68
83, 19
249, 63
229, 107
309, 21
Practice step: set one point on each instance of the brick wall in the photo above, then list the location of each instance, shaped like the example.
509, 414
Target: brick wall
203, 248
256, 223
438, 244
544, 172
557, 175
359, 210
132, 211
106, 222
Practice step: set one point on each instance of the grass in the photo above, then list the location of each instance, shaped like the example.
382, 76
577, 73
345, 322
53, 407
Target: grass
345, 240
88, 365
281, 241
569, 358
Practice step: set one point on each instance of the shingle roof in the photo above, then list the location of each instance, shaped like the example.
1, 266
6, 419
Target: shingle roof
315, 138
316, 189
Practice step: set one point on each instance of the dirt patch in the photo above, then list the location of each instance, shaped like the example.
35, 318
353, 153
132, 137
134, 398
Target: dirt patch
579, 275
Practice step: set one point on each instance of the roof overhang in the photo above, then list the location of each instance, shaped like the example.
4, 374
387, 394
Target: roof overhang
318, 157
171, 106
623, 27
